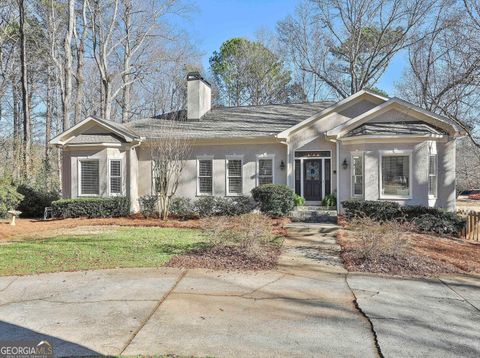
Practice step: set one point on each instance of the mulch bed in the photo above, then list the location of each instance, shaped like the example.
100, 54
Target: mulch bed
427, 255
228, 258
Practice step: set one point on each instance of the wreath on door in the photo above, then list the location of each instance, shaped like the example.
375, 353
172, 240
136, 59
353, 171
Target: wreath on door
313, 171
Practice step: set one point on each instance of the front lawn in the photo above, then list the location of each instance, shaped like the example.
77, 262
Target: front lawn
97, 248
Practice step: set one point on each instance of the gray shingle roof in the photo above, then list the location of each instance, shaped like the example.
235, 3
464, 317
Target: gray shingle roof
95, 138
248, 121
389, 128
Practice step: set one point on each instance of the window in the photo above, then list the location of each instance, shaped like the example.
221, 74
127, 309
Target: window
205, 176
265, 171
89, 177
115, 177
396, 176
432, 175
357, 175
234, 176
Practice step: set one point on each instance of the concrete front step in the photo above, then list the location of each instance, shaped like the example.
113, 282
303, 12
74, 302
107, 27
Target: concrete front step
315, 208
314, 216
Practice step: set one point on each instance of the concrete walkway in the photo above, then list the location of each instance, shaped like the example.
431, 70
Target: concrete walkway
305, 308
299, 310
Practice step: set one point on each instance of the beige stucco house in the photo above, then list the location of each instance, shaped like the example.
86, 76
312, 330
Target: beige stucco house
366, 147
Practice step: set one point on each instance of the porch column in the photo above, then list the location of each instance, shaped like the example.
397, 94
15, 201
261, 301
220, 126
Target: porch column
132, 183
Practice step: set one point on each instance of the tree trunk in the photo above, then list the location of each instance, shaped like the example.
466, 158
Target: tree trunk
68, 65
126, 64
27, 130
80, 64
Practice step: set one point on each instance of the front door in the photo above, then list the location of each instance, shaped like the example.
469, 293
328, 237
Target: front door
312, 176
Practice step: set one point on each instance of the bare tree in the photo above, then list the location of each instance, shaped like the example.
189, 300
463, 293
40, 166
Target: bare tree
169, 151
444, 71
348, 45
27, 124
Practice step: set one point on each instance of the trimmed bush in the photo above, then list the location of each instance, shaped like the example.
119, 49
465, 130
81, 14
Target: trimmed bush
443, 223
274, 199
91, 207
35, 201
182, 208
148, 206
9, 197
217, 205
425, 219
376, 210
329, 200
299, 200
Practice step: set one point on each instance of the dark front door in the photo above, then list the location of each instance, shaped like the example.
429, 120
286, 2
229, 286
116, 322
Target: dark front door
312, 176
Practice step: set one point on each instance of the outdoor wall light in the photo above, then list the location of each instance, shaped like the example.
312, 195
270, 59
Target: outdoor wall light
282, 165
345, 164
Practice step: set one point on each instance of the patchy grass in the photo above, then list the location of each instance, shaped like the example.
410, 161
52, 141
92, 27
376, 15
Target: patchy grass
97, 247
421, 254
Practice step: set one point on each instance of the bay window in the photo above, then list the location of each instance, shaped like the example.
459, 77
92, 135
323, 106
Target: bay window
357, 175
396, 175
115, 177
432, 175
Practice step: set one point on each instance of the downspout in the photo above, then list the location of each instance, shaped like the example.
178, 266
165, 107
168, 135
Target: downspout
337, 149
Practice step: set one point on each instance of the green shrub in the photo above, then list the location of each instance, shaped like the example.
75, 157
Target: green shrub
148, 206
274, 199
9, 197
329, 200
217, 205
425, 219
205, 206
442, 223
182, 208
35, 201
91, 207
299, 200
376, 210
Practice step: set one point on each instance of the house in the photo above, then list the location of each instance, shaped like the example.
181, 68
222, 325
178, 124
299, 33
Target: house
366, 147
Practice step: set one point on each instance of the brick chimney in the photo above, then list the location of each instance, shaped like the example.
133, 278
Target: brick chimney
199, 96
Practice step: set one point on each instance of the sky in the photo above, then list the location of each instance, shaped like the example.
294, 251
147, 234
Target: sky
214, 21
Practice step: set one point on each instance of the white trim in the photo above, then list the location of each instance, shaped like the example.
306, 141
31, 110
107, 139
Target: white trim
79, 179
101, 122
109, 184
400, 105
395, 153
197, 178
393, 139
357, 154
337, 150
257, 174
227, 175
343, 104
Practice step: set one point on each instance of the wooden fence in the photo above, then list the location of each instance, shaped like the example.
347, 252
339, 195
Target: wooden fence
472, 230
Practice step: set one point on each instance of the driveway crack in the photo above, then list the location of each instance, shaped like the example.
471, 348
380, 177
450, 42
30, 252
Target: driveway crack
459, 295
372, 327
157, 306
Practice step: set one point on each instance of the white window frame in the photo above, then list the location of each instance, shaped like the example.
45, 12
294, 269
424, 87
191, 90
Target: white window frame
205, 157
395, 153
110, 176
79, 167
261, 157
430, 155
227, 175
352, 174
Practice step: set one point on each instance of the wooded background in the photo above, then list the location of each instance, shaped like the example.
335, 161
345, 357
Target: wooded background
63, 60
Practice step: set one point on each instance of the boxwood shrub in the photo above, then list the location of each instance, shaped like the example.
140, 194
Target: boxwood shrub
425, 219
148, 206
274, 199
91, 207
35, 201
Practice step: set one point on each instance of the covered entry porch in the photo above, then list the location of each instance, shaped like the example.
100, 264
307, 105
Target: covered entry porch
313, 172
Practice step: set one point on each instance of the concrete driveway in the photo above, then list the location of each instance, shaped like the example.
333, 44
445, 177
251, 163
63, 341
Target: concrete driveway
306, 308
